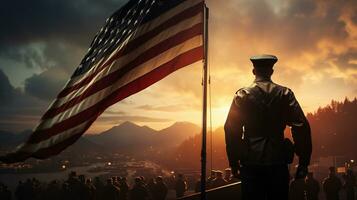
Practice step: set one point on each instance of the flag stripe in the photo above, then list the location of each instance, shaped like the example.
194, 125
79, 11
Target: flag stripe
139, 84
132, 45
59, 137
106, 81
122, 61
130, 76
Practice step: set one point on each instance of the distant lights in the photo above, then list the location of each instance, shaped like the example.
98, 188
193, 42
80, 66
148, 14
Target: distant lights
109, 163
64, 167
352, 161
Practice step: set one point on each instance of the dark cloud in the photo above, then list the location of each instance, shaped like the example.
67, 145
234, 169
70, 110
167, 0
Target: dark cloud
52, 36
46, 85
65, 20
62, 60
7, 92
346, 60
18, 111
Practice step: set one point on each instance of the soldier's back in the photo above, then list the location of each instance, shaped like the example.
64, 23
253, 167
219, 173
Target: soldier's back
264, 108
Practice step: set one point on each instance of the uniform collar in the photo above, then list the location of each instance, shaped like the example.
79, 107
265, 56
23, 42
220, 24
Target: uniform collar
262, 79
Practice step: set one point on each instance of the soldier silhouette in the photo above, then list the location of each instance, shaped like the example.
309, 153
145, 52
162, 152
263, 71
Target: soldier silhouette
254, 132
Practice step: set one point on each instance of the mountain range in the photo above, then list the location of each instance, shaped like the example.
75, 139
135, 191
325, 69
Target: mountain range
126, 136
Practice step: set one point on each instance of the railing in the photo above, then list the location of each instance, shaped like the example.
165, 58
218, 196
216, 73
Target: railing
227, 192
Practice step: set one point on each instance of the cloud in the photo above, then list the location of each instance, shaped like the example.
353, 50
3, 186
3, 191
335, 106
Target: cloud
18, 111
7, 92
66, 20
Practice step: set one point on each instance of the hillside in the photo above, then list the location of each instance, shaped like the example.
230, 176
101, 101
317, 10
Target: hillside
129, 136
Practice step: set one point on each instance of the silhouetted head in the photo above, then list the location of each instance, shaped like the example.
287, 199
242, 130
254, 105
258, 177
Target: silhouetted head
82, 178
263, 65
228, 172
219, 174
213, 173
332, 170
72, 174
159, 179
180, 176
89, 180
138, 180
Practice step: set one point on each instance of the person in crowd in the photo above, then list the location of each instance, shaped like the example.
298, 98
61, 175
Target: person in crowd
99, 186
83, 190
110, 191
349, 184
312, 187
29, 190
151, 186
139, 191
19, 191
219, 181
297, 189
198, 185
143, 180
160, 189
115, 180
228, 175
74, 186
124, 188
91, 190
53, 191
5, 193
332, 185
210, 179
180, 186
65, 191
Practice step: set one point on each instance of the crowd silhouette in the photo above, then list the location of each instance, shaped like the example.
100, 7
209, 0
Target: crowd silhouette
78, 187
309, 188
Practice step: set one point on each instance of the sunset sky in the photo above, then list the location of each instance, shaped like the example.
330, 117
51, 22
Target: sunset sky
42, 42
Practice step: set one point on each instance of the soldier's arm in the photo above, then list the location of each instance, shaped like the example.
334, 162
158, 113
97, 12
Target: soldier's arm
233, 134
300, 129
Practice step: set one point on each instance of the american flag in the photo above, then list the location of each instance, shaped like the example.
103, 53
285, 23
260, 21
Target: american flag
140, 44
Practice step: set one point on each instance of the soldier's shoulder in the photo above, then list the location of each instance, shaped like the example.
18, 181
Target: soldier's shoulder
241, 95
242, 92
285, 90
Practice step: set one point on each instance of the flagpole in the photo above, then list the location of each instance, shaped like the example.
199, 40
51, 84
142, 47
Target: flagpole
204, 117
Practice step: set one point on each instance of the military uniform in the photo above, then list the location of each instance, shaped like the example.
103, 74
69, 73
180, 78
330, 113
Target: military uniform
254, 133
